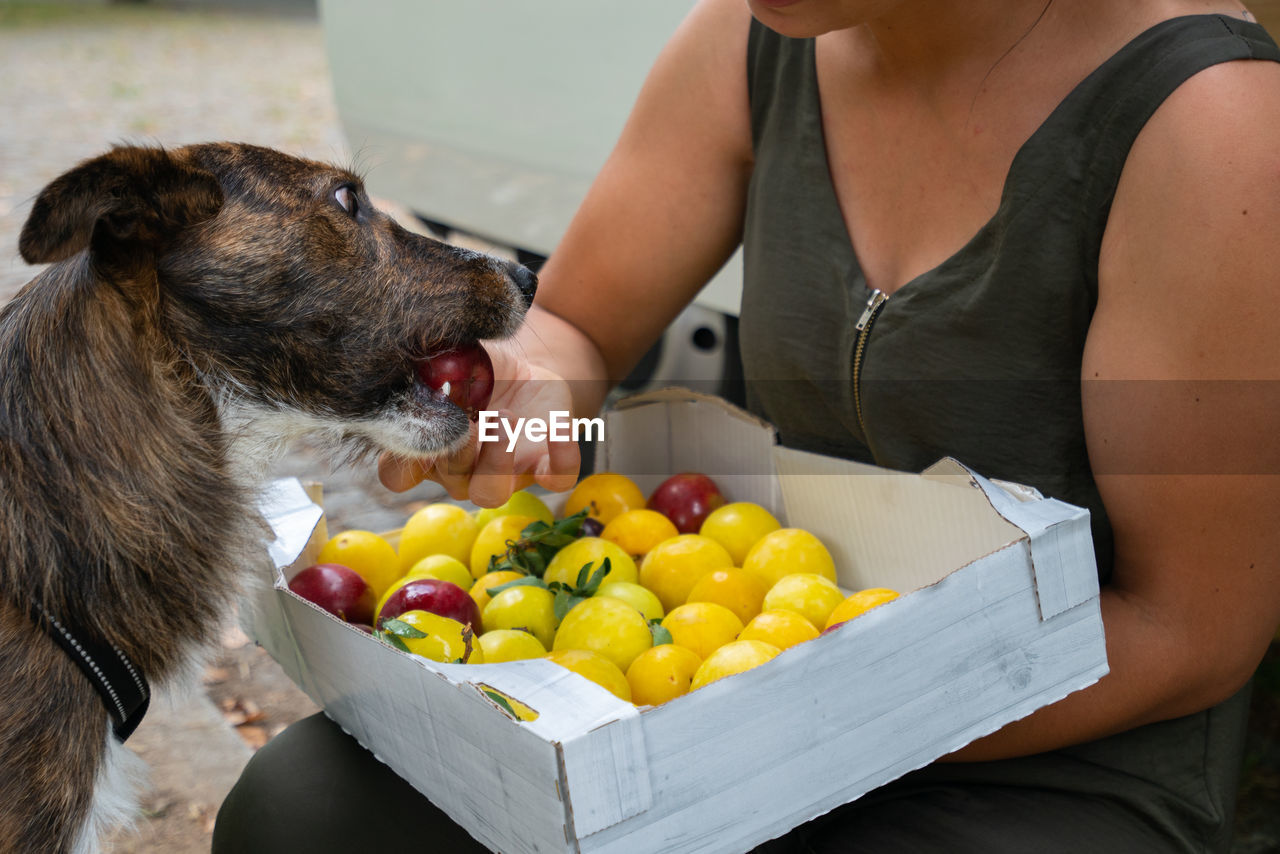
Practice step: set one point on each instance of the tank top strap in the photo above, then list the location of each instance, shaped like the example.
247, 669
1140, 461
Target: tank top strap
782, 85
1087, 138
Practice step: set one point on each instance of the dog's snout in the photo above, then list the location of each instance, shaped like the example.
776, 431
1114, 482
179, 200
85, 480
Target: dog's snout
526, 282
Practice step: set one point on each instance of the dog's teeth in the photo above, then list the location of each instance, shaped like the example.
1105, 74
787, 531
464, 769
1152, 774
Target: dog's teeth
463, 376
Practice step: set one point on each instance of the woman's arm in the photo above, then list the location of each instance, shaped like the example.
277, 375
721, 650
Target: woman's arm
1181, 383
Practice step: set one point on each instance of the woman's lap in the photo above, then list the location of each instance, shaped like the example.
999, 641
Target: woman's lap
975, 819
314, 788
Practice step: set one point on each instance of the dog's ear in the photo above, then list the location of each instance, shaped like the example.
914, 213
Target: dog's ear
130, 198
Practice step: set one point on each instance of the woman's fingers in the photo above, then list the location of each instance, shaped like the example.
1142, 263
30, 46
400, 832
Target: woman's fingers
493, 477
557, 470
454, 472
487, 474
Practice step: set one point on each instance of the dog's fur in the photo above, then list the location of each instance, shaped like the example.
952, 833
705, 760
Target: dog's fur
207, 304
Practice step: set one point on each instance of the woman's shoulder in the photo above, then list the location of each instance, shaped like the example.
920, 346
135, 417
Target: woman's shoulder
703, 62
1181, 122
697, 87
1194, 233
1241, 93
1222, 123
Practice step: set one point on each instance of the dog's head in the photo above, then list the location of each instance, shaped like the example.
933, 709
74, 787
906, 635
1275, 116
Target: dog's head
283, 285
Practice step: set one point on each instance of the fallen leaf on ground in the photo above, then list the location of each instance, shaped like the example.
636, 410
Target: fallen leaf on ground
254, 736
238, 712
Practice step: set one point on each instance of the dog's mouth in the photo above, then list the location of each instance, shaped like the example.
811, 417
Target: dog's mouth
461, 375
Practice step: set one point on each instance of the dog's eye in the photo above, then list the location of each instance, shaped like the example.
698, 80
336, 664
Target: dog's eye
346, 197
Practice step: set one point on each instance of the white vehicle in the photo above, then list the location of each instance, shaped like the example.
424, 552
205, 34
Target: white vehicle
491, 117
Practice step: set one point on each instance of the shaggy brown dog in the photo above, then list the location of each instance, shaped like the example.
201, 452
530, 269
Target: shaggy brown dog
206, 304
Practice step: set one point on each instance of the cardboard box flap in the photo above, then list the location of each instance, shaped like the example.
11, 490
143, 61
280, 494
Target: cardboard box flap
685, 395
652, 436
1061, 545
293, 516
1059, 533
864, 514
951, 470
294, 519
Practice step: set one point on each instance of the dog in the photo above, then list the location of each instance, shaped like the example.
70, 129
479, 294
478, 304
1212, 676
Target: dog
203, 306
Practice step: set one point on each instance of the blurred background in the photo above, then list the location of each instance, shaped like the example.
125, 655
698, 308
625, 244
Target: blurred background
486, 135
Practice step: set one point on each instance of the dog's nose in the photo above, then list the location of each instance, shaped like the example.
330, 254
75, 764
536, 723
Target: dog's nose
525, 281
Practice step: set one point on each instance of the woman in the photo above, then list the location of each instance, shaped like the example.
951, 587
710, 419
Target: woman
1073, 208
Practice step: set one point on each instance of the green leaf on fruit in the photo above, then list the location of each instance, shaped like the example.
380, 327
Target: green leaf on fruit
592, 583
571, 525
587, 582
661, 634
527, 581
558, 534
535, 530
392, 640
399, 628
540, 533
537, 545
566, 602
536, 561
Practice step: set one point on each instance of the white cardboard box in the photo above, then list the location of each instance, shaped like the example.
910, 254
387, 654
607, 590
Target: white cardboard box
1000, 617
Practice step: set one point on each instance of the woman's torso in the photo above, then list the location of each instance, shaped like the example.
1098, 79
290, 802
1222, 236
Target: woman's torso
979, 356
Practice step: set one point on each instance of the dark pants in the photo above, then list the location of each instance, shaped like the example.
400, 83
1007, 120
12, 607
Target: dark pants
315, 789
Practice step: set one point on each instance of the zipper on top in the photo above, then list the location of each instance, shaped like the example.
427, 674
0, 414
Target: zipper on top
874, 303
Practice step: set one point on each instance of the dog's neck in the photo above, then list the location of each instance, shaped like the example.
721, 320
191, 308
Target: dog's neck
258, 436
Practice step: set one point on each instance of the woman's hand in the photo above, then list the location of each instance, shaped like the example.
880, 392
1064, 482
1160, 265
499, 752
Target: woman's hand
487, 473
529, 382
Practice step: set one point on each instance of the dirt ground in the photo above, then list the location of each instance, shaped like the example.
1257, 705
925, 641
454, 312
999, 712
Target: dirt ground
74, 80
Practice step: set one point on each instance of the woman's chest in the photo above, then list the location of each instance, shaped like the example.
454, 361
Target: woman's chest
916, 174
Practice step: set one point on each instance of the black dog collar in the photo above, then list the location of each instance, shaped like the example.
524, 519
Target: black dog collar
121, 685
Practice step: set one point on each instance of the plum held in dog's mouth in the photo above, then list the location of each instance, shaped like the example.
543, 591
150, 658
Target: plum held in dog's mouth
461, 375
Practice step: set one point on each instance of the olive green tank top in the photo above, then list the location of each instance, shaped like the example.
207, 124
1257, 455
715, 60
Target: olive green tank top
979, 358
